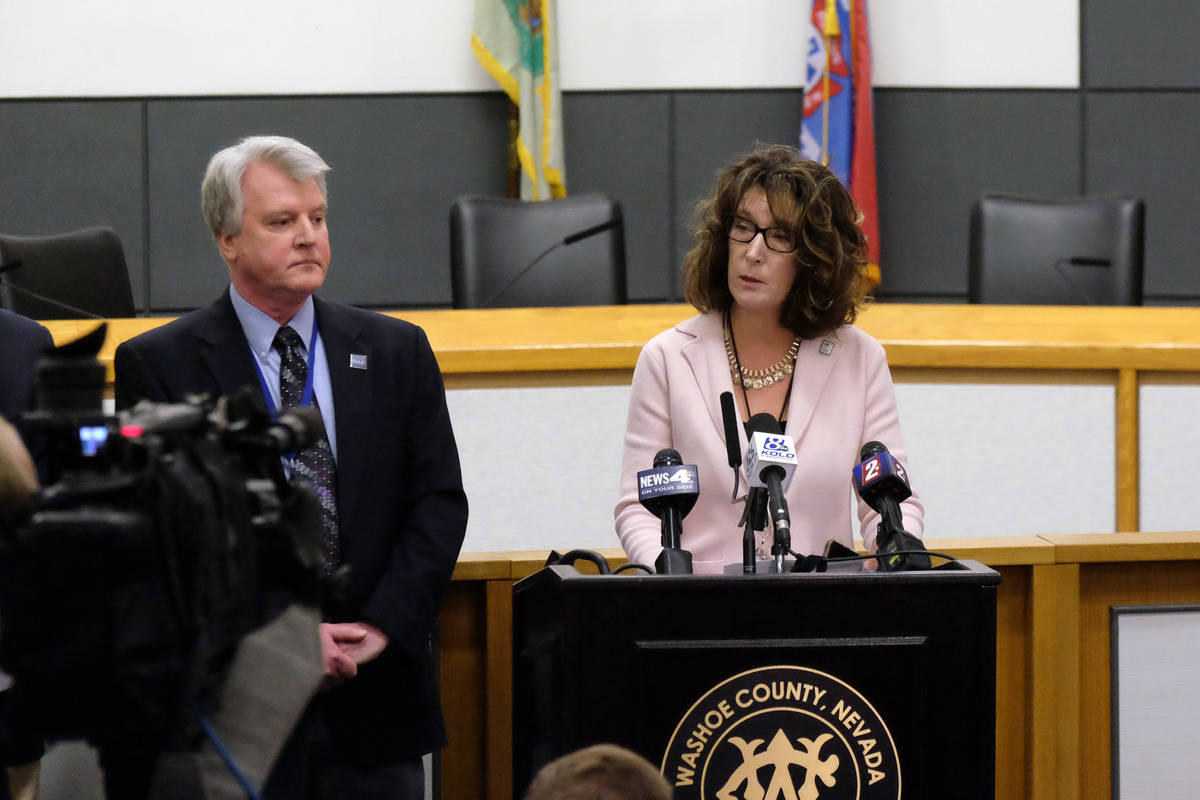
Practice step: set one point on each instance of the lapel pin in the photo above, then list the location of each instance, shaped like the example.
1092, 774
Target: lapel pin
826, 347
358, 361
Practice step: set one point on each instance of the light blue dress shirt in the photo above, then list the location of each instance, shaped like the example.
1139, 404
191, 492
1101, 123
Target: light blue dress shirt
260, 330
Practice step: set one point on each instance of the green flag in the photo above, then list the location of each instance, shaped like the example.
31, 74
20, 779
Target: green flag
516, 42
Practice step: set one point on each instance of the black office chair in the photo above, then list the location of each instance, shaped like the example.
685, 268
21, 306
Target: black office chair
83, 269
1047, 251
514, 253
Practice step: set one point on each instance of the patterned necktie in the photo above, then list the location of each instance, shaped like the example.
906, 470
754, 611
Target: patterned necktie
312, 466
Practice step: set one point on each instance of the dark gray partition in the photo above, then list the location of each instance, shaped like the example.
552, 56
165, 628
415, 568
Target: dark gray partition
1144, 143
620, 143
66, 165
938, 150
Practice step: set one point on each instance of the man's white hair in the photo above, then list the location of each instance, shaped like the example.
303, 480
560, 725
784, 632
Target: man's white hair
221, 198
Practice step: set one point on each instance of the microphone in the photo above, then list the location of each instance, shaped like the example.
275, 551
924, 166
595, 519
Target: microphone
755, 510
668, 491
754, 516
586, 233
729, 417
882, 483
770, 463
160, 418
295, 429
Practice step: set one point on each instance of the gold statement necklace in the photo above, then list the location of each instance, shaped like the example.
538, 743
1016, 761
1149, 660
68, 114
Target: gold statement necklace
759, 378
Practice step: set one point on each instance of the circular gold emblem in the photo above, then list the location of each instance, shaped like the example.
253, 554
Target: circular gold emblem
782, 733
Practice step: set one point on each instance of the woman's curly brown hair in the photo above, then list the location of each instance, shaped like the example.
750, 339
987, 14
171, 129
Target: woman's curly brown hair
807, 200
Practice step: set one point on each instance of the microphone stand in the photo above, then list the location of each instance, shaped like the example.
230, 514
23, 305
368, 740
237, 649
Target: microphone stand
673, 560
780, 548
891, 546
12, 287
753, 519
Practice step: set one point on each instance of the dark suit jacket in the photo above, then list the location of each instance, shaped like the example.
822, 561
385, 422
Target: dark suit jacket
401, 505
22, 343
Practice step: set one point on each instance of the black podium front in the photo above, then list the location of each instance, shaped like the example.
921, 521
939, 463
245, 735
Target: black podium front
856, 685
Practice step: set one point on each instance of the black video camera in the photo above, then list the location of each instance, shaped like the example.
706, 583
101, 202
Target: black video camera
157, 542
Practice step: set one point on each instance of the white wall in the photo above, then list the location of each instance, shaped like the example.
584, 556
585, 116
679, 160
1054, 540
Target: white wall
1170, 440
541, 465
1005, 459
70, 48
975, 43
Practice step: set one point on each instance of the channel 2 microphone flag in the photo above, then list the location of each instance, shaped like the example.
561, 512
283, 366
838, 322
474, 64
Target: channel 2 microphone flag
516, 41
838, 127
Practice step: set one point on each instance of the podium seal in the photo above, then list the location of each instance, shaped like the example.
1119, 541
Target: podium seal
782, 733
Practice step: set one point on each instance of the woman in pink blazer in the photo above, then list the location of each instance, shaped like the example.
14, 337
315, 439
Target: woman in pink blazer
776, 272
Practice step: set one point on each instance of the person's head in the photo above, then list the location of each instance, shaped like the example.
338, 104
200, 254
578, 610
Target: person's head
599, 772
264, 199
779, 234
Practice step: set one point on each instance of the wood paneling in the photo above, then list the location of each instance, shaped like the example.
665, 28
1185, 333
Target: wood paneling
1053, 730
1101, 586
1128, 477
599, 338
1014, 656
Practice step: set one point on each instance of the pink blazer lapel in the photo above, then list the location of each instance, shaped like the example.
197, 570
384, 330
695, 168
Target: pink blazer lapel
814, 365
705, 355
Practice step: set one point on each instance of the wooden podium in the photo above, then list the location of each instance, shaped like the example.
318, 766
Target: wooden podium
827, 685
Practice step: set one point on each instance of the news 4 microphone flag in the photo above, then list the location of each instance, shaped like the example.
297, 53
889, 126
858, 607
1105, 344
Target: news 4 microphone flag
838, 125
516, 41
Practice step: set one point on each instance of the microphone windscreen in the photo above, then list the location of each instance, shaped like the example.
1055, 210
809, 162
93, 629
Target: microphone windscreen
667, 458
765, 423
871, 449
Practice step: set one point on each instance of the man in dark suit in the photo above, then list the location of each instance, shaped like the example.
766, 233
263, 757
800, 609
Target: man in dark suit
22, 344
394, 513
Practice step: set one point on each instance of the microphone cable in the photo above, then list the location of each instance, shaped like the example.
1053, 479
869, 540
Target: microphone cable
816, 563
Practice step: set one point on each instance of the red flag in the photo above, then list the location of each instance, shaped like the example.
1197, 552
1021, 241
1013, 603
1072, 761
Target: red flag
863, 182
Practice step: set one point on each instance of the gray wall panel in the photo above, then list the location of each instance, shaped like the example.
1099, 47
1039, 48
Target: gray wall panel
398, 163
1144, 143
400, 160
713, 128
938, 150
621, 143
1131, 45
74, 164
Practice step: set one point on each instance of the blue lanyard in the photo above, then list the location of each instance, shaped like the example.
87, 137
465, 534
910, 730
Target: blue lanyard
307, 395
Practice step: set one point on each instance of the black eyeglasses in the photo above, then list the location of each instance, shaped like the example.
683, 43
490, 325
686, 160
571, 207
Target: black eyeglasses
777, 239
